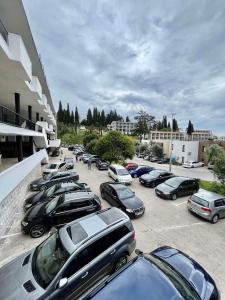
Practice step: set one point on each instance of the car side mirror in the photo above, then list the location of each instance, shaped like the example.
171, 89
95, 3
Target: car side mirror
63, 282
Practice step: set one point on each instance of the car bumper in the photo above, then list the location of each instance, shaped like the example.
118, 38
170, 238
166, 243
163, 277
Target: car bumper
136, 214
131, 247
145, 183
203, 215
162, 195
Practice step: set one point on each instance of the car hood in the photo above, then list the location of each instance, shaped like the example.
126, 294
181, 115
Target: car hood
38, 181
16, 279
50, 171
132, 202
35, 211
189, 269
165, 188
125, 178
147, 177
34, 198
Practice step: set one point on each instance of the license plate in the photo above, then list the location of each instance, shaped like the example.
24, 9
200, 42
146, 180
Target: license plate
139, 213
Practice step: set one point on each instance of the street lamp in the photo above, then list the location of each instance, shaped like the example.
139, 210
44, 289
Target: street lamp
171, 140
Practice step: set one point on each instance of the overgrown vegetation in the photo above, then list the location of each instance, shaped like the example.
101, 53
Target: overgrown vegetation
215, 187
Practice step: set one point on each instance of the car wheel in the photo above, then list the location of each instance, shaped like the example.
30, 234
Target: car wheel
215, 219
37, 231
43, 187
135, 176
153, 185
120, 262
174, 197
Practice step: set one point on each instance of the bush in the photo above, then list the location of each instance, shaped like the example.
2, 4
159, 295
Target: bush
212, 186
88, 138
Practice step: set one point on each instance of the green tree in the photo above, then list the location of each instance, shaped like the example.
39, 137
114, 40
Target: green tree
115, 146
157, 150
60, 113
127, 119
213, 152
190, 128
77, 118
89, 117
102, 118
175, 125
88, 138
67, 119
92, 146
219, 167
141, 128
72, 118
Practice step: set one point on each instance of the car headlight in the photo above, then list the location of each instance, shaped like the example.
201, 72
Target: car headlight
24, 223
129, 210
28, 205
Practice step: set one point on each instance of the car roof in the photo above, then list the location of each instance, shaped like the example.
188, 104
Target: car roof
117, 166
68, 157
65, 172
181, 178
162, 171
79, 196
117, 186
209, 196
68, 184
89, 226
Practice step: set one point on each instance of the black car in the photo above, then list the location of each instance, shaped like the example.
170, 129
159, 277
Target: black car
121, 196
155, 177
70, 148
102, 164
72, 260
55, 152
163, 161
69, 162
94, 158
42, 184
177, 187
59, 211
53, 191
164, 274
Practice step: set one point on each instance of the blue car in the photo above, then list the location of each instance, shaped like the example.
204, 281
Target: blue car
164, 274
140, 170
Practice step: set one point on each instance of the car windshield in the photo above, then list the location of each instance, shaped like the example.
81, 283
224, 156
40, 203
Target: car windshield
122, 172
186, 290
125, 193
49, 192
154, 174
48, 176
53, 204
49, 257
173, 182
52, 166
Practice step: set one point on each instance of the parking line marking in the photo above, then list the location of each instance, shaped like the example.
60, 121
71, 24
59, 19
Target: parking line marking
179, 203
9, 235
179, 226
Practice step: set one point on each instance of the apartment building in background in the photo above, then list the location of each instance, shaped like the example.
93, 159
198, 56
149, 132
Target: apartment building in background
27, 113
121, 126
197, 135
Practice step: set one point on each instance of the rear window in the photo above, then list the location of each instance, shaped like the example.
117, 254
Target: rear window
77, 233
200, 201
111, 216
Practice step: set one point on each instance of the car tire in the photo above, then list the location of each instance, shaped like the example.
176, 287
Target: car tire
37, 231
215, 219
153, 185
121, 261
174, 197
43, 187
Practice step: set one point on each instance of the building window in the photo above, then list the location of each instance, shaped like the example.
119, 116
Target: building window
203, 149
183, 148
182, 159
172, 147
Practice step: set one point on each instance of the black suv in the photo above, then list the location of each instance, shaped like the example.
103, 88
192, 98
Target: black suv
42, 184
155, 177
54, 191
102, 164
122, 197
177, 187
59, 211
72, 260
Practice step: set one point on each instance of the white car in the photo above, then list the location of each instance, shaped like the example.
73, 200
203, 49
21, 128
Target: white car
119, 174
193, 164
55, 167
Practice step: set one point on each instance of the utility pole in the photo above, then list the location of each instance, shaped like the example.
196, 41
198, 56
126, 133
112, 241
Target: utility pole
171, 142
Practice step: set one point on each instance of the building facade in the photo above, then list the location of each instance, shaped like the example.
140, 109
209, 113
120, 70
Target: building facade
202, 154
198, 135
121, 126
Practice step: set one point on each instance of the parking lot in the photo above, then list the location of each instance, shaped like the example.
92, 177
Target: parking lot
165, 222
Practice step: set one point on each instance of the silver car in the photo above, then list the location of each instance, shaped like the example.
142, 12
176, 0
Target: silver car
208, 205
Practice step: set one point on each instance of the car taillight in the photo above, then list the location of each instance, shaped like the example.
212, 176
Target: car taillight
206, 209
133, 236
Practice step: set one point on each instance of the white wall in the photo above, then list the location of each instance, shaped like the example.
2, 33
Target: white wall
190, 150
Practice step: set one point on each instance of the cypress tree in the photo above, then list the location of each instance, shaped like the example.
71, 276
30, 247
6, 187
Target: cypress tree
127, 119
89, 117
77, 118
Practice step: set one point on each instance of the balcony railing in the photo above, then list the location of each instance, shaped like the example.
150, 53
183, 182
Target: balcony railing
3, 32
12, 118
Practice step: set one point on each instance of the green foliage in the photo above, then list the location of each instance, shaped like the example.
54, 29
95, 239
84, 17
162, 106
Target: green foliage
88, 138
115, 147
157, 150
92, 146
190, 128
72, 138
212, 186
219, 167
141, 128
175, 125
213, 152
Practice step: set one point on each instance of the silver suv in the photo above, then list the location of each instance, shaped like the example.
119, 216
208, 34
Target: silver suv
208, 205
71, 260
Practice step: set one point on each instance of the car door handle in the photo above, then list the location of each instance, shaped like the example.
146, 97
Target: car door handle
114, 251
84, 275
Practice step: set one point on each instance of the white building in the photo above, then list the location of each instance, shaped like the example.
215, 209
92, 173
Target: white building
27, 113
197, 135
185, 150
121, 126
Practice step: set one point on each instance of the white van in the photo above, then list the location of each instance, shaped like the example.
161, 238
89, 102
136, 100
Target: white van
119, 174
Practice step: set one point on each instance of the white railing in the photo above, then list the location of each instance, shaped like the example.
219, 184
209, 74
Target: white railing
13, 176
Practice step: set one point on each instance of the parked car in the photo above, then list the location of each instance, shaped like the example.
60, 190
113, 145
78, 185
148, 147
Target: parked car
120, 196
163, 161
154, 159
55, 152
41, 184
69, 162
210, 166
102, 164
130, 165
193, 164
141, 155
94, 158
155, 177
164, 274
140, 170
54, 191
177, 187
55, 167
85, 157
57, 267
119, 174
208, 205
70, 148
60, 210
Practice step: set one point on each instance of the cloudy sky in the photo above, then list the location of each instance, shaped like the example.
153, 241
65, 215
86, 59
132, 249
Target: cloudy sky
158, 56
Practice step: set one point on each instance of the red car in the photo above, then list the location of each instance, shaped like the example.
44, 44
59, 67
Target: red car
130, 166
